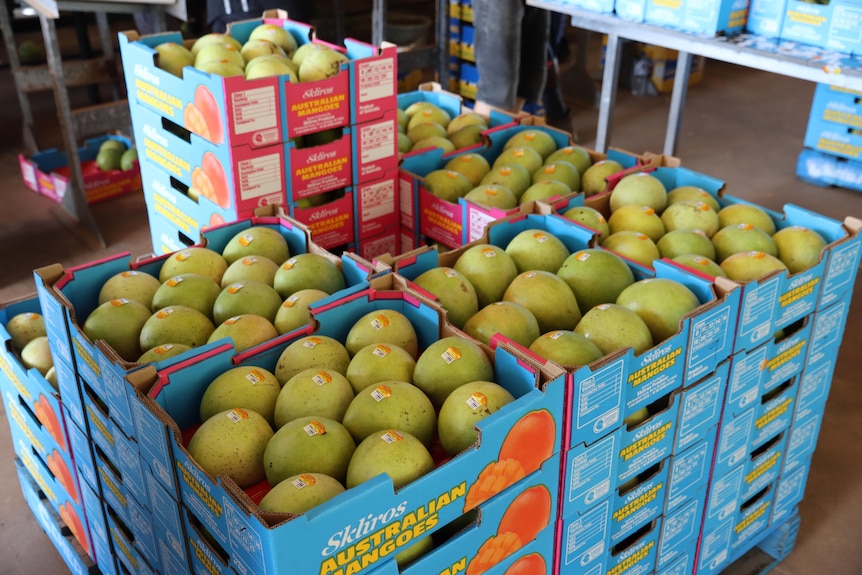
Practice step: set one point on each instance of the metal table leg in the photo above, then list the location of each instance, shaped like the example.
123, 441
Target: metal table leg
608, 95
74, 202
677, 101
28, 125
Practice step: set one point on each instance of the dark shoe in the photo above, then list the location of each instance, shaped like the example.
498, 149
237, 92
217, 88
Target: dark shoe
563, 122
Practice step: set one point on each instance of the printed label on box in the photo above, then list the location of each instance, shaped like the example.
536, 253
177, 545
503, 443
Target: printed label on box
254, 110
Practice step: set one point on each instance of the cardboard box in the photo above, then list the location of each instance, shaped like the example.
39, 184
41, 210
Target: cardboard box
766, 17
701, 407
98, 524
237, 180
741, 435
789, 492
754, 373
683, 565
71, 507
834, 25
226, 512
619, 384
125, 546
47, 172
455, 224
664, 67
376, 206
332, 225
790, 297
467, 43
833, 138
605, 6
265, 111
29, 386
826, 170
73, 294
135, 516
36, 447
711, 17
75, 558
383, 245
722, 543
631, 10
837, 105
760, 468
598, 471
468, 81
582, 546
680, 532
476, 545
690, 471
113, 445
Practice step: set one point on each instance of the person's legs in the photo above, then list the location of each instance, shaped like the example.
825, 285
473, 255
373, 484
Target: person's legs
497, 27
534, 53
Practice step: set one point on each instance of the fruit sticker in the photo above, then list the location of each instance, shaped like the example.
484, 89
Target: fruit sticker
304, 480
451, 355
245, 240
477, 400
163, 349
380, 393
254, 377
391, 436
381, 350
237, 414
321, 378
314, 428
379, 322
119, 302
164, 312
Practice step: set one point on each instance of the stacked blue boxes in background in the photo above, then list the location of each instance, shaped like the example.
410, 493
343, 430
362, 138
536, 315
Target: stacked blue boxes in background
833, 139
462, 50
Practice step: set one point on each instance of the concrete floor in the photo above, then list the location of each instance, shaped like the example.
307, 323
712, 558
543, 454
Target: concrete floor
740, 125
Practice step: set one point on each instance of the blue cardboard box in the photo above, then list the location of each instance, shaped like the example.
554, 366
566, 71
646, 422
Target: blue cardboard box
266, 110
74, 294
826, 170
834, 25
754, 373
75, 558
680, 532
701, 407
742, 433
220, 506
689, 471
722, 543
766, 17
789, 492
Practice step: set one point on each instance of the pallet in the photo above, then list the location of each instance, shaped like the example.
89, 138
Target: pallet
776, 545
76, 559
